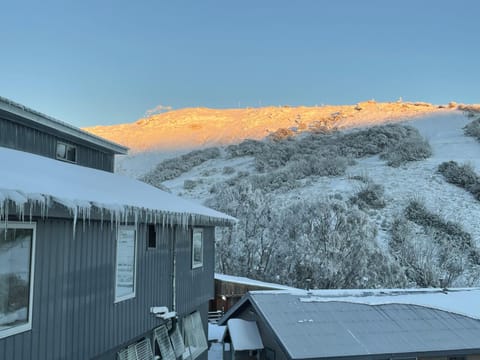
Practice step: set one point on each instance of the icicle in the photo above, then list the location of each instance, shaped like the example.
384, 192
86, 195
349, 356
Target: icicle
75, 210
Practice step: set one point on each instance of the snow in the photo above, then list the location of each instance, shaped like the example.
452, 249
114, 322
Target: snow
251, 282
216, 332
215, 352
462, 301
9, 319
43, 181
244, 335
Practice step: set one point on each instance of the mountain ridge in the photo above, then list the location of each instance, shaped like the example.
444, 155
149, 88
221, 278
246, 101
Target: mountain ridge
203, 127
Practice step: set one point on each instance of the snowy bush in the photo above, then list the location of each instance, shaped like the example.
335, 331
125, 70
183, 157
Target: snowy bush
270, 182
461, 175
248, 147
414, 148
322, 240
281, 134
418, 213
370, 195
473, 129
317, 166
189, 184
433, 251
173, 168
228, 170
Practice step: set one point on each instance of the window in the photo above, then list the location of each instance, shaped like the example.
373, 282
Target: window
17, 253
152, 236
195, 339
197, 248
125, 264
66, 152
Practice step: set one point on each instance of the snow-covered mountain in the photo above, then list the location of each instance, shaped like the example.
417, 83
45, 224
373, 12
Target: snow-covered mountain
361, 207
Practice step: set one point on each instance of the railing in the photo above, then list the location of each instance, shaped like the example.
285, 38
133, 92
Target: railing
214, 316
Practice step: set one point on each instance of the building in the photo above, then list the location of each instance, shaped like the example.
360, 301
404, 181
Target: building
94, 265
418, 324
230, 289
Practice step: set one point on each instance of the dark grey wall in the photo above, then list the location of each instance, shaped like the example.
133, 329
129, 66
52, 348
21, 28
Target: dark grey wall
268, 337
194, 286
74, 315
15, 133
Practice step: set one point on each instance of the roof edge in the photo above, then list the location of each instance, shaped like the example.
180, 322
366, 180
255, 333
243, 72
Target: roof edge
50, 122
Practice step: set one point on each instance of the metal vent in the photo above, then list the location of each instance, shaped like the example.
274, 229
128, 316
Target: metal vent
128, 353
163, 340
139, 351
177, 342
144, 350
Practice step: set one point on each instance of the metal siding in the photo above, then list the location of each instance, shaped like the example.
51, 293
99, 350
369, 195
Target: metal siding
194, 286
21, 137
74, 315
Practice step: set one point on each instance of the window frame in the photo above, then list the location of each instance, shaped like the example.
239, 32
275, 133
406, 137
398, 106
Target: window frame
28, 325
67, 146
135, 258
196, 265
149, 234
193, 330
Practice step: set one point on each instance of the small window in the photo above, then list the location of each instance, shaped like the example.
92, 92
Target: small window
197, 248
125, 264
195, 340
66, 152
17, 244
152, 236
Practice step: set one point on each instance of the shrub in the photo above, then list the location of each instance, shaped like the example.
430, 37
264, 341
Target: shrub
228, 170
281, 134
370, 196
189, 184
248, 147
173, 168
414, 148
460, 175
473, 129
434, 252
446, 233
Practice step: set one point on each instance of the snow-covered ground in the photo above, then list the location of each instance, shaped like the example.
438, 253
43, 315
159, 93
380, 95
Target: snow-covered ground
415, 180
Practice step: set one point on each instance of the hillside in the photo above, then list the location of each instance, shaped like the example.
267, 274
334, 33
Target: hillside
201, 127
390, 205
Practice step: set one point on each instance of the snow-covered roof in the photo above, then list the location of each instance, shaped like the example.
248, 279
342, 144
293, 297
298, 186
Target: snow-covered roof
339, 324
462, 301
244, 335
28, 179
216, 332
251, 282
52, 123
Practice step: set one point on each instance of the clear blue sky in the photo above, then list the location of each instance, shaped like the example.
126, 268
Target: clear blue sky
93, 62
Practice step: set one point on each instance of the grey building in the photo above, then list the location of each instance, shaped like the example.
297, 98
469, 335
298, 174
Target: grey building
94, 265
294, 325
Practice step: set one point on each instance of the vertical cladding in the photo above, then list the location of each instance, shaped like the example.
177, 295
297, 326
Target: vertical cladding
17, 136
194, 286
74, 314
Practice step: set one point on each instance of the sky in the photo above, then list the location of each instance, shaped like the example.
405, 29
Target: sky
99, 62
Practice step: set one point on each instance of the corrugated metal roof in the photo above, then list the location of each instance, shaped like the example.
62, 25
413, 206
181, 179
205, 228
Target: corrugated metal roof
339, 329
